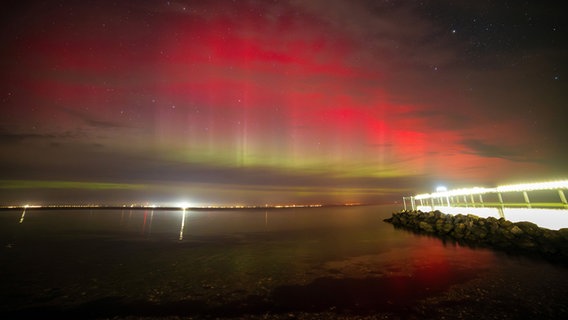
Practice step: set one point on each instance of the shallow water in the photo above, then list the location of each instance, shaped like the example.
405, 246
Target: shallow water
331, 262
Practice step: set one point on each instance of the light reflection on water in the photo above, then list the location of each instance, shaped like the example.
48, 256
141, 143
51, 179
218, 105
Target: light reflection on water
23, 215
177, 255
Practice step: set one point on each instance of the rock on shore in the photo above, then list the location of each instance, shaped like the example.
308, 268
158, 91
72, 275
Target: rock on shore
498, 233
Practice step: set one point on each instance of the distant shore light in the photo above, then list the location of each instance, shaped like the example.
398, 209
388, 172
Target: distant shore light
184, 205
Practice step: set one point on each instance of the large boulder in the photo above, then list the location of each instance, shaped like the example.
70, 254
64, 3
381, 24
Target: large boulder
472, 217
426, 227
492, 225
551, 236
530, 229
507, 234
478, 232
447, 227
439, 225
515, 230
563, 233
504, 223
459, 230
526, 243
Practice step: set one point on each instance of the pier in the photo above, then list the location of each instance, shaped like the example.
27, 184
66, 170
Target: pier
543, 203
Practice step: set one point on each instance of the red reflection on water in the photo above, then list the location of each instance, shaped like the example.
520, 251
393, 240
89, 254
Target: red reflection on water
433, 265
144, 223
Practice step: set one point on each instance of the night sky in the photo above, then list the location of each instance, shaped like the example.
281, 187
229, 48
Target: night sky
265, 102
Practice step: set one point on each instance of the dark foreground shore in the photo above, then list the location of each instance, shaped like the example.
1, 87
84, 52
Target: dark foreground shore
520, 237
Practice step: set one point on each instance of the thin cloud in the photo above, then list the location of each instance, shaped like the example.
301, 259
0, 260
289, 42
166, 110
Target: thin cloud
484, 149
93, 121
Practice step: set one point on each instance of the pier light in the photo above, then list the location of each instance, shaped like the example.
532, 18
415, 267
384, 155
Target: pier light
546, 214
422, 196
551, 185
441, 189
455, 192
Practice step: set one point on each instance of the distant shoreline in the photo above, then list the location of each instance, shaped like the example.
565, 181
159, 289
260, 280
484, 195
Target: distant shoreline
166, 208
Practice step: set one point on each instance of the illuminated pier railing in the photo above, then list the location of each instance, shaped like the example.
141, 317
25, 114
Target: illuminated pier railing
535, 202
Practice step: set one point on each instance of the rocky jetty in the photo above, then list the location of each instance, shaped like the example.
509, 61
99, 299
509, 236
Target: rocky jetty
519, 237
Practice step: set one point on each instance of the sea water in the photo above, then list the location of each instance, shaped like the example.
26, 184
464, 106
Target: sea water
246, 263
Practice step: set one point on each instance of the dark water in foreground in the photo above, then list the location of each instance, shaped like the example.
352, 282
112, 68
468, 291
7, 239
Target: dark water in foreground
342, 262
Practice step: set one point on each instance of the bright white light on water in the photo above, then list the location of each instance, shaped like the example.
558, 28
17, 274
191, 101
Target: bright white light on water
23, 214
441, 189
182, 225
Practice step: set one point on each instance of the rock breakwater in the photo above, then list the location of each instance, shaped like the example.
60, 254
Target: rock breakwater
520, 237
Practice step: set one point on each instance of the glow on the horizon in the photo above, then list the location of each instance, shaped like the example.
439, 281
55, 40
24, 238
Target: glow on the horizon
183, 205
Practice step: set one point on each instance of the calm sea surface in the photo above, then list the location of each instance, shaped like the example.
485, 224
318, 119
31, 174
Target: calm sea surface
338, 262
